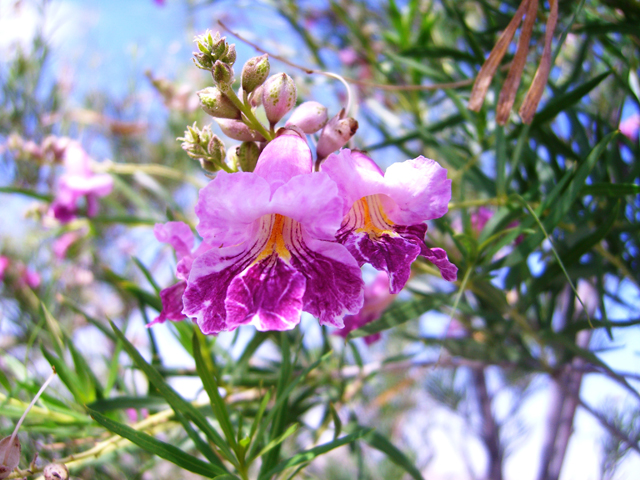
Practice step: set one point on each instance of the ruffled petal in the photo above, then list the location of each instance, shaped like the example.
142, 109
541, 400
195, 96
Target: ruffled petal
283, 159
334, 280
171, 298
355, 174
209, 280
176, 234
417, 190
229, 205
438, 257
99, 185
313, 201
268, 294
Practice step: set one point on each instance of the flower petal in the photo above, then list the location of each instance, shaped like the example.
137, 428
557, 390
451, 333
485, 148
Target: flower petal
229, 205
209, 280
438, 257
334, 281
171, 304
268, 294
284, 158
176, 234
419, 190
313, 201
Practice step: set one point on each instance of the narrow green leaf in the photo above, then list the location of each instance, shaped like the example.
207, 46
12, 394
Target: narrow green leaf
227, 476
276, 441
120, 403
176, 401
67, 377
259, 414
399, 313
147, 274
207, 375
611, 189
337, 423
312, 453
157, 447
28, 193
379, 442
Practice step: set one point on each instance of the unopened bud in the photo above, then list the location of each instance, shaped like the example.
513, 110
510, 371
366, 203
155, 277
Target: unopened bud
10, 449
255, 72
239, 131
255, 97
216, 149
217, 104
222, 73
279, 96
213, 48
336, 134
309, 117
248, 153
56, 471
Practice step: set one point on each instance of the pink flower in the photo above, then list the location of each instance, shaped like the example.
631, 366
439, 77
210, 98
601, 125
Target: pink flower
272, 250
376, 300
78, 181
4, 264
480, 217
61, 244
629, 127
383, 212
30, 277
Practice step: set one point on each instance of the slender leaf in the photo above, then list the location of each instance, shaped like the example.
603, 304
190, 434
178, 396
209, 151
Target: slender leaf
379, 442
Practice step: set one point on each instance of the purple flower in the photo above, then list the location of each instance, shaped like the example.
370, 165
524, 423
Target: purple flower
4, 264
78, 181
480, 217
276, 254
61, 244
180, 237
384, 212
376, 300
630, 126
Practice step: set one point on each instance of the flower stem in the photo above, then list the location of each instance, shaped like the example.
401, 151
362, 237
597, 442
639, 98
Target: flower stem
253, 122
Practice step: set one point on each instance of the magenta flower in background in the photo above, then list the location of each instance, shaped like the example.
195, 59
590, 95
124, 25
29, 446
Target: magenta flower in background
629, 127
383, 212
276, 255
376, 300
30, 277
480, 217
63, 242
4, 264
78, 181
180, 237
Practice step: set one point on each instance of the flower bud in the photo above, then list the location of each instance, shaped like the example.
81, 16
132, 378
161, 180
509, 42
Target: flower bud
247, 154
56, 471
336, 134
279, 96
309, 117
255, 72
216, 149
222, 73
10, 449
213, 48
239, 131
217, 104
255, 97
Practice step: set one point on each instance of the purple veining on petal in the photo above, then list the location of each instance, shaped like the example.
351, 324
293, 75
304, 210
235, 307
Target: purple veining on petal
268, 294
171, 304
283, 159
209, 280
334, 281
438, 257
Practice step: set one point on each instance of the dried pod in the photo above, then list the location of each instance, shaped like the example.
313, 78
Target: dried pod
10, 449
336, 134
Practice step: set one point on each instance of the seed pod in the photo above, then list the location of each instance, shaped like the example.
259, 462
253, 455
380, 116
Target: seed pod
279, 96
309, 117
336, 134
239, 131
10, 449
255, 72
56, 471
217, 104
247, 154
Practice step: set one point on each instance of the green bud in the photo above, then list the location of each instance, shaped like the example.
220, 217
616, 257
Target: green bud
222, 73
248, 153
216, 149
255, 72
213, 48
217, 104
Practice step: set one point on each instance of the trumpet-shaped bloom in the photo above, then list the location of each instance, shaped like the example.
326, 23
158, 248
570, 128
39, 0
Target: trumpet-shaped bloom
376, 300
78, 181
383, 212
273, 254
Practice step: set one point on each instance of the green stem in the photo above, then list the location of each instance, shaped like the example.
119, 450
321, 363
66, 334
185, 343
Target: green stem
253, 122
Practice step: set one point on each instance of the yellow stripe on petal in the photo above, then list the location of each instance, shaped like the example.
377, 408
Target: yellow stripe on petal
275, 244
371, 219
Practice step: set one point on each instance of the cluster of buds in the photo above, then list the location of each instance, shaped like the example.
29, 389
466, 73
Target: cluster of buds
235, 112
50, 150
204, 146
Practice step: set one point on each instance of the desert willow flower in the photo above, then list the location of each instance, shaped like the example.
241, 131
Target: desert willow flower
529, 9
10, 447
